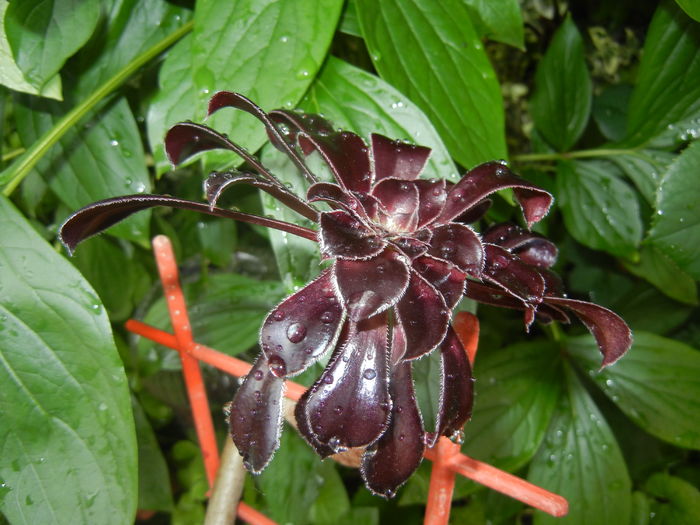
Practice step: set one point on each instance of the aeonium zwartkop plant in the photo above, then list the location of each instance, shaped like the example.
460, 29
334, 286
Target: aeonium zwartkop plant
402, 257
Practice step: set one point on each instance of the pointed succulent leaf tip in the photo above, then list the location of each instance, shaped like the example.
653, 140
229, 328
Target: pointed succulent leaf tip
396, 159
369, 287
611, 333
487, 178
444, 276
423, 315
432, 195
349, 405
459, 245
344, 235
457, 388
390, 461
298, 331
400, 200
255, 421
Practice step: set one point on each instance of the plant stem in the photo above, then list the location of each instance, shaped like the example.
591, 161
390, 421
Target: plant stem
582, 154
20, 169
12, 154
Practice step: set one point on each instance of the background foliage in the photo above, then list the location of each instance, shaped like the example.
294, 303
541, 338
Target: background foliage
598, 103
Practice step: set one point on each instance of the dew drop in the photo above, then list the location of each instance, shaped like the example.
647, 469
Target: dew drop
369, 373
258, 375
278, 316
327, 317
338, 410
277, 365
499, 261
328, 379
296, 332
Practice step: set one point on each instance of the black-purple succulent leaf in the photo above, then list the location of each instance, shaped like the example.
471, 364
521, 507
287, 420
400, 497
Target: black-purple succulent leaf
299, 330
290, 123
388, 463
532, 248
459, 245
300, 415
218, 182
506, 270
552, 283
337, 197
349, 406
457, 389
474, 213
396, 159
369, 287
372, 207
444, 276
546, 313
345, 235
225, 99
487, 178
423, 315
609, 330
255, 420
98, 216
400, 200
432, 195
411, 246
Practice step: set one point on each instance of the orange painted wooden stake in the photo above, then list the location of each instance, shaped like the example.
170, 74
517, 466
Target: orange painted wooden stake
446, 458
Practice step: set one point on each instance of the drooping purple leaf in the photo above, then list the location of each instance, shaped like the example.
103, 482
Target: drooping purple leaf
400, 200
290, 123
460, 245
349, 405
507, 271
344, 235
487, 178
444, 276
302, 420
255, 420
99, 216
474, 213
337, 197
432, 195
388, 463
218, 182
369, 287
423, 315
611, 333
457, 389
530, 247
300, 329
396, 159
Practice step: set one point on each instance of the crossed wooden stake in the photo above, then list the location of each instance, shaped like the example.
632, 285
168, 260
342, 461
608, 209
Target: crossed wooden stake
228, 483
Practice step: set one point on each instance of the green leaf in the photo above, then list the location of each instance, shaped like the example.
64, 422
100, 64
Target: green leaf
499, 20
102, 158
291, 482
68, 434
561, 102
676, 502
600, 210
348, 21
610, 111
11, 75
430, 52
691, 8
218, 240
645, 168
675, 229
516, 392
426, 376
657, 384
332, 502
581, 461
154, 480
640, 509
44, 33
667, 92
657, 268
364, 103
244, 46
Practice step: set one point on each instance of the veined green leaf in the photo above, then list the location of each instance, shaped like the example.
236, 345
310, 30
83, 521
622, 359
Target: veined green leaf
657, 384
430, 52
358, 101
675, 229
645, 168
600, 210
516, 393
581, 461
68, 434
660, 270
675, 501
499, 20
561, 102
666, 99
44, 33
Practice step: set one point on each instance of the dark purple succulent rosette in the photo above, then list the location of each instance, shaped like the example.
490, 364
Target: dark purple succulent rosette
402, 256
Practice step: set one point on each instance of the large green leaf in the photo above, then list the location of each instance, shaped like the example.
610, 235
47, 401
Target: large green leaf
102, 158
665, 103
675, 229
660, 270
600, 210
358, 101
645, 168
675, 501
499, 20
268, 50
516, 393
581, 461
430, 52
561, 103
44, 33
657, 384
68, 438
332, 502
691, 7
